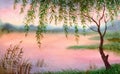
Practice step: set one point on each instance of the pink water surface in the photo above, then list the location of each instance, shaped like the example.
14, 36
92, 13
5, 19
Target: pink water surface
55, 53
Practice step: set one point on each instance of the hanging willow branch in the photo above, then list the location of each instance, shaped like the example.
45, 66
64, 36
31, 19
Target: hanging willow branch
66, 10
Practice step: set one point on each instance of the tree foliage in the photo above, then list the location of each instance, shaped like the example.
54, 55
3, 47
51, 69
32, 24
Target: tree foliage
66, 11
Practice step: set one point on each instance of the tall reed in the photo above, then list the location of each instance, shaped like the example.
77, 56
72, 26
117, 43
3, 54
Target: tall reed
12, 61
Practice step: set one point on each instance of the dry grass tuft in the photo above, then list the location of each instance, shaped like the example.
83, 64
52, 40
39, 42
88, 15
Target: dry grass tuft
12, 61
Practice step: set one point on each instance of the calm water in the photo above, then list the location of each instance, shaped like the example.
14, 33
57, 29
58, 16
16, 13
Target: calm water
55, 53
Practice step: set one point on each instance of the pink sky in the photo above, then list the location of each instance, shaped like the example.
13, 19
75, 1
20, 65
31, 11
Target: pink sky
9, 14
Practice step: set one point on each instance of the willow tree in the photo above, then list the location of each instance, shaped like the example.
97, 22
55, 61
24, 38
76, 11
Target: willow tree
70, 12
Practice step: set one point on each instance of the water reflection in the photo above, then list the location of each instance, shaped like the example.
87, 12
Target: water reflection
53, 51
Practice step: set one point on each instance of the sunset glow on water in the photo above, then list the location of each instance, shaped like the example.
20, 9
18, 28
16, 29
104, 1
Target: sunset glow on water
55, 53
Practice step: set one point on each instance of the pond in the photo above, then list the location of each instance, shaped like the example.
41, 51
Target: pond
54, 51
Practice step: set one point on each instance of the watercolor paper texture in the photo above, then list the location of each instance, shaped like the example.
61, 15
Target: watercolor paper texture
61, 48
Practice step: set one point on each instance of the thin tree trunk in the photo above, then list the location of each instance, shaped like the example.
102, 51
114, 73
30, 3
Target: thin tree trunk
103, 56
101, 51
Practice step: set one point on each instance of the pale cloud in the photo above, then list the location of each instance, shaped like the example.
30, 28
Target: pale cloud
11, 16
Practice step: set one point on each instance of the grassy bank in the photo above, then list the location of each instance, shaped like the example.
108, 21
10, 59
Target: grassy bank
114, 70
110, 36
83, 47
111, 46
114, 43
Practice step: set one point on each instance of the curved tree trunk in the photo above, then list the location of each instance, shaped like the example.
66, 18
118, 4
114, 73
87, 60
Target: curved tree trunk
103, 56
101, 35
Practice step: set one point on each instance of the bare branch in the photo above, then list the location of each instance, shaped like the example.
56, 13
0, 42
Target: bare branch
91, 19
92, 28
105, 21
99, 22
105, 27
102, 13
105, 30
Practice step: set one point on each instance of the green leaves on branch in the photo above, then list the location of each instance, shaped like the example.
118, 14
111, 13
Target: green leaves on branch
39, 33
76, 33
83, 6
41, 28
29, 20
66, 28
84, 29
67, 11
26, 29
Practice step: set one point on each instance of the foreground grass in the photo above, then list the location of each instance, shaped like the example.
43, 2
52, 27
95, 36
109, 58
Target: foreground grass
114, 70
